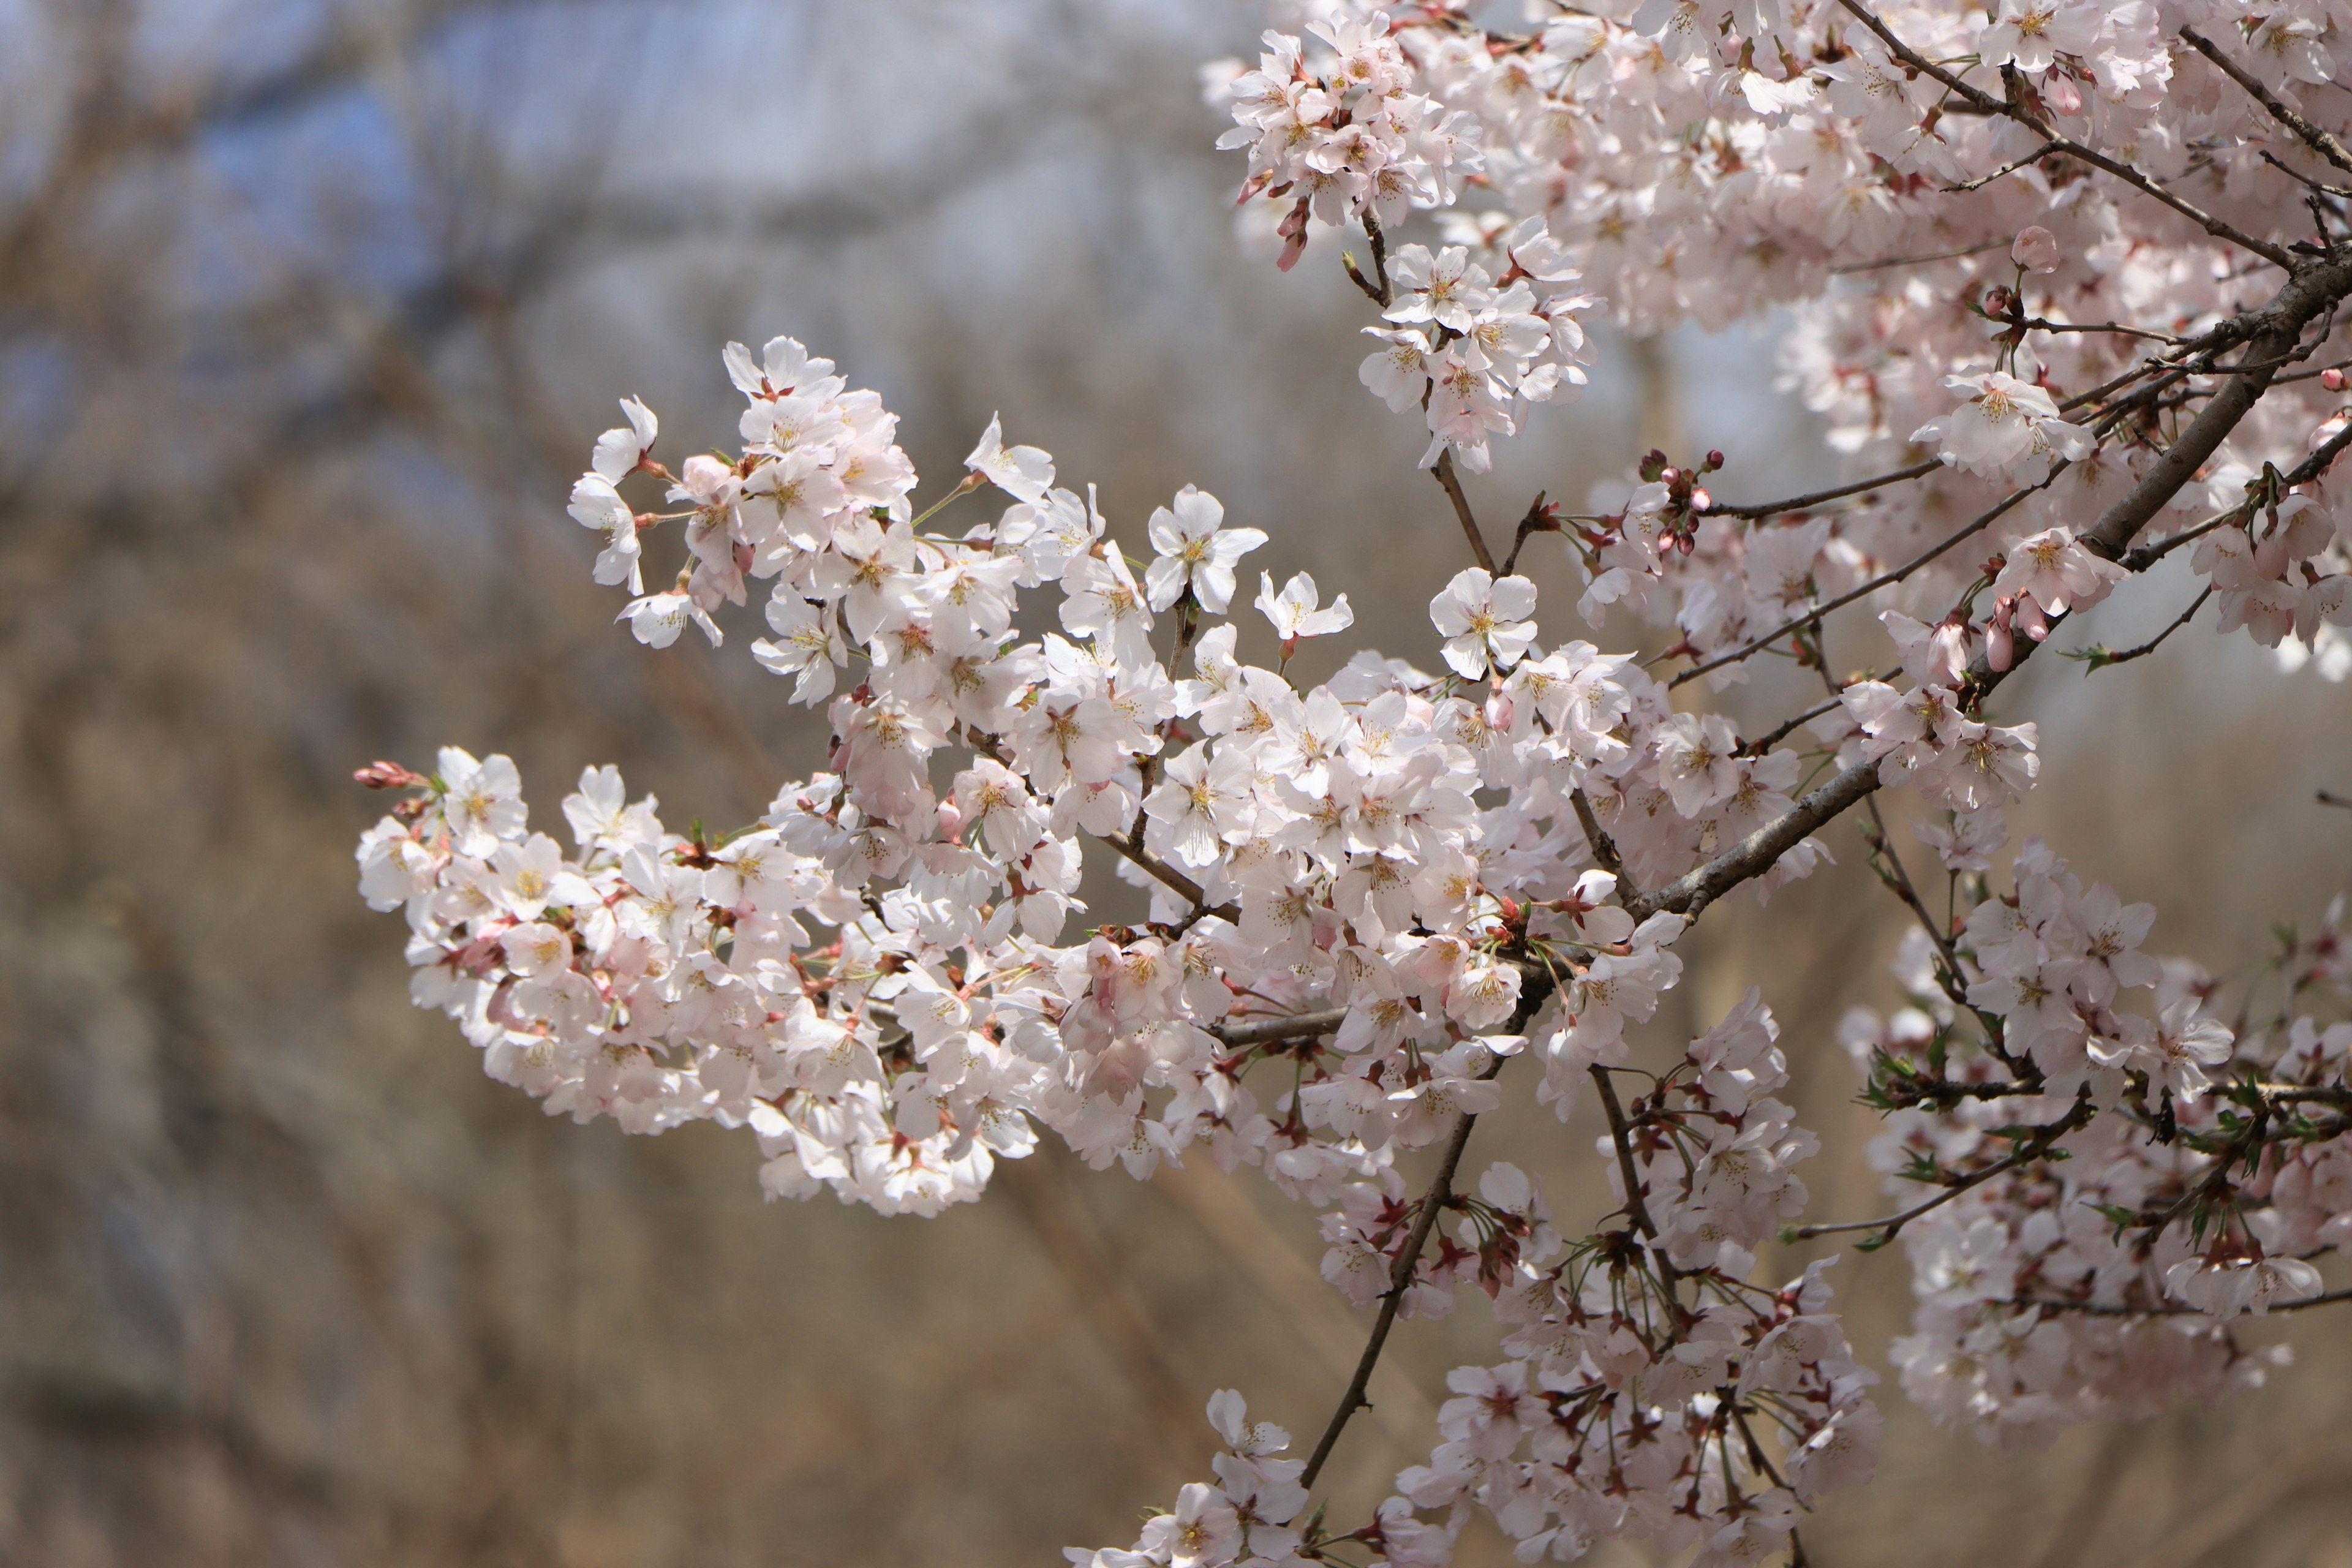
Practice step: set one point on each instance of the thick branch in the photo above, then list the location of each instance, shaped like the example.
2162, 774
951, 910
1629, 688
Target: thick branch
1290, 1027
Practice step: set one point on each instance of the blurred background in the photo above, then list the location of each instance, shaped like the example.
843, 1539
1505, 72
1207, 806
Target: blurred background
309, 313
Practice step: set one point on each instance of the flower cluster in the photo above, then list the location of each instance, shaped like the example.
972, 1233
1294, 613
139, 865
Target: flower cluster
871, 977
1342, 135
1959, 290
2033, 253
1471, 352
2202, 1174
2277, 566
1651, 1391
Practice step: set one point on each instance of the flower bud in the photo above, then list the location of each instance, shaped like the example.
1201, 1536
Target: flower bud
387, 775
2036, 250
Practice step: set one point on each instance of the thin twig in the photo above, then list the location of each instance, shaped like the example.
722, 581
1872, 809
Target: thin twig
1432, 1201
1637, 1209
1452, 484
1985, 102
2034, 1149
2317, 140
1949, 977
1975, 526
1535, 522
1919, 260
2166, 1309
1838, 492
2098, 657
1779, 732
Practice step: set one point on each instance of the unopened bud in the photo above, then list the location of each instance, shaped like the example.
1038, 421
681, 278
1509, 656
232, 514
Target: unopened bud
387, 775
2332, 379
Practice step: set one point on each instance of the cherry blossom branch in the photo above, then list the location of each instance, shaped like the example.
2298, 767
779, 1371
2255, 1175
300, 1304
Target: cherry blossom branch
1836, 492
1885, 579
1433, 1200
2032, 1150
1854, 267
2314, 137
2293, 307
1175, 881
1290, 1027
2303, 473
1452, 483
1691, 892
1399, 1280
2304, 297
2097, 656
1985, 102
1637, 1209
2161, 1310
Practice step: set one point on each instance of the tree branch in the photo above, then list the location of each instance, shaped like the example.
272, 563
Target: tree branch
2034, 1149
1836, 492
1452, 482
1986, 103
1975, 526
2317, 140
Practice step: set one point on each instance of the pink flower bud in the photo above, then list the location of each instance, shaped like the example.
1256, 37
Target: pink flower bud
2332, 379
387, 775
2036, 250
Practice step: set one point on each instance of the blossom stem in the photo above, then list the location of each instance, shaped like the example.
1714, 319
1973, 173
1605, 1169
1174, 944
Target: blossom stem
2034, 1149
1433, 1200
1452, 482
1986, 103
2317, 140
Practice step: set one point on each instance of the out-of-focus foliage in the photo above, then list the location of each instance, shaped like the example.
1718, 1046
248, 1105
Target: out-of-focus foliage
307, 313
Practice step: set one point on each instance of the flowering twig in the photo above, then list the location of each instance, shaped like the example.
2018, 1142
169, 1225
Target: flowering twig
1452, 484
2034, 1148
2317, 140
1986, 103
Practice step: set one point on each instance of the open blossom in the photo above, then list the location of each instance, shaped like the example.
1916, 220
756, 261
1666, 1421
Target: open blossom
1023, 472
1193, 549
2178, 1050
620, 450
2056, 573
2004, 426
2033, 33
1294, 612
1484, 621
657, 618
2226, 1288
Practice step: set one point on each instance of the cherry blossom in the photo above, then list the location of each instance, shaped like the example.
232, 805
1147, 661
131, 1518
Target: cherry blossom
2051, 284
